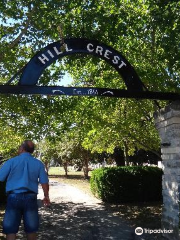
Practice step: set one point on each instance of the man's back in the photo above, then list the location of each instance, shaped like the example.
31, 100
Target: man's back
23, 173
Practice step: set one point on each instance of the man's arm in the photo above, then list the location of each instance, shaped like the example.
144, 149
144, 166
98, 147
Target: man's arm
45, 187
44, 181
4, 171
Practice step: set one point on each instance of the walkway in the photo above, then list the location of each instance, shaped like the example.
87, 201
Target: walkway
74, 215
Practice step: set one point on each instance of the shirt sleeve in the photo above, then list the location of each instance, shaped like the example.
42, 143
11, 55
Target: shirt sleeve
4, 171
43, 177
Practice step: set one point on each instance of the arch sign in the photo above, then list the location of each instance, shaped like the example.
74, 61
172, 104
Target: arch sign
54, 51
35, 67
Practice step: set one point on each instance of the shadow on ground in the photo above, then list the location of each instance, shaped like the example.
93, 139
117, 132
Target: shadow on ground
146, 215
71, 221
79, 221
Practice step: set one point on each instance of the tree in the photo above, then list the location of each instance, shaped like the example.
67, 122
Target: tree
71, 151
46, 152
146, 32
9, 142
141, 156
118, 156
64, 149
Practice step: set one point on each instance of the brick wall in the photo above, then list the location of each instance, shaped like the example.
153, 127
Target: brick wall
167, 122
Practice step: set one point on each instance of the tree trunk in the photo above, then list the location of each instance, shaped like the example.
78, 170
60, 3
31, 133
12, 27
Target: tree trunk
47, 167
65, 165
85, 168
126, 154
118, 157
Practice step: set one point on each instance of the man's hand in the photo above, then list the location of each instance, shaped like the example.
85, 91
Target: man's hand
46, 201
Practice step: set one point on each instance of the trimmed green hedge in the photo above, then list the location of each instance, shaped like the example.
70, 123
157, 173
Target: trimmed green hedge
2, 192
127, 184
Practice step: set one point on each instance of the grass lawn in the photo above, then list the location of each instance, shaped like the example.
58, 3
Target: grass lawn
59, 171
74, 178
56, 171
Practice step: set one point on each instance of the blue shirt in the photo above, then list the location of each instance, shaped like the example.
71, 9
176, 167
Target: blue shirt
23, 173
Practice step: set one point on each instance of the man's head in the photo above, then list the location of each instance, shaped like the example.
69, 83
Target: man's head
27, 146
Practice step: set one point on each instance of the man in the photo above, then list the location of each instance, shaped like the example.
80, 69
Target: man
23, 173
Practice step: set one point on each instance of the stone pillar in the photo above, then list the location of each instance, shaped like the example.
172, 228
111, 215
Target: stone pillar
167, 122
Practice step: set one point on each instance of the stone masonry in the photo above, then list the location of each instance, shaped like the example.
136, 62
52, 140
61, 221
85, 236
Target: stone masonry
167, 122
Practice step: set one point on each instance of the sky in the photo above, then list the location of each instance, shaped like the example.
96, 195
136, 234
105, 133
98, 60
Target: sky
66, 80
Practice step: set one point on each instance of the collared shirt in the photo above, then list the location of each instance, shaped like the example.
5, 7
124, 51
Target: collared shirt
23, 173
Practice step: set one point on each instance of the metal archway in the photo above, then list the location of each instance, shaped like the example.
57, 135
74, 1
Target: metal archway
52, 52
35, 67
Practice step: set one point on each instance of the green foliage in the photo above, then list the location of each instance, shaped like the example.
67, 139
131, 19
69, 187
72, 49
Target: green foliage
46, 152
127, 184
71, 152
145, 32
9, 142
121, 122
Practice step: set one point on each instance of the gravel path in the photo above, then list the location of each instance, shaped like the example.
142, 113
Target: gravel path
74, 215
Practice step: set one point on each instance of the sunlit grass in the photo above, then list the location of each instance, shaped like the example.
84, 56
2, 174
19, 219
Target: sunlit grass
59, 171
56, 171
75, 178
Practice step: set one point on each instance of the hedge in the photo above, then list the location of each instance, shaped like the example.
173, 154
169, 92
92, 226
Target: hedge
127, 184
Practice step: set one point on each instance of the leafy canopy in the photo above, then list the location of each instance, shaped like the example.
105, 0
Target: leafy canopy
146, 32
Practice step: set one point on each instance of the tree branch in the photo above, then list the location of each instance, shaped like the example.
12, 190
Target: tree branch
24, 30
145, 146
